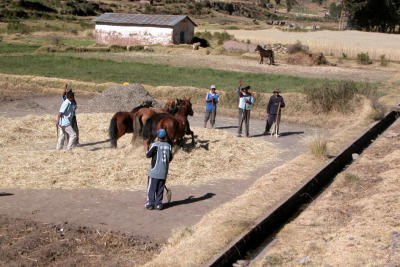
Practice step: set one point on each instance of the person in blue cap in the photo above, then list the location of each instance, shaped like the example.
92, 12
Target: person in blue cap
160, 153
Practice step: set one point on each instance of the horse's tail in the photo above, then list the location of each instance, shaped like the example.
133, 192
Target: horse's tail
137, 124
147, 131
113, 132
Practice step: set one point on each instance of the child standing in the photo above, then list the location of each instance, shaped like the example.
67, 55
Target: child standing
161, 154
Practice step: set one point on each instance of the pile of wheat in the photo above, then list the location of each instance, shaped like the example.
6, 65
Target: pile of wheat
28, 158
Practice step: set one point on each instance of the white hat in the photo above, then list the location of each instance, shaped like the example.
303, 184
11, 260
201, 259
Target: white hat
213, 86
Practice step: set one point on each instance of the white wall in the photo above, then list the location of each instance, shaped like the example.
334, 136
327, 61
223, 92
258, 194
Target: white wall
133, 35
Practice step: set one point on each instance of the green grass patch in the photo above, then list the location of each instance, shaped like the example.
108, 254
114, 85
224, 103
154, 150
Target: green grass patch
35, 39
6, 48
78, 42
350, 177
65, 42
100, 70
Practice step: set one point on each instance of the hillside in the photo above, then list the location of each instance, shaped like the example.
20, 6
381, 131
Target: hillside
12, 10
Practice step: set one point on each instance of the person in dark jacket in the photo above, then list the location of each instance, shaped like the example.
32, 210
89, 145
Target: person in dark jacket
161, 154
272, 111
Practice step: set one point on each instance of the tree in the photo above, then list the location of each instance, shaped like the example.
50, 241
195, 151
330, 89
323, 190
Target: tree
374, 15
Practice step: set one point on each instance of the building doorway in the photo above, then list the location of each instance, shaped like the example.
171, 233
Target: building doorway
182, 37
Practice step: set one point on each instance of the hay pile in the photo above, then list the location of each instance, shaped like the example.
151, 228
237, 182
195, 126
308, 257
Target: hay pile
121, 98
28, 158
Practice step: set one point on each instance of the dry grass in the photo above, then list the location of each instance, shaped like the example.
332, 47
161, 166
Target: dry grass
45, 85
297, 109
356, 221
196, 245
317, 146
330, 42
28, 158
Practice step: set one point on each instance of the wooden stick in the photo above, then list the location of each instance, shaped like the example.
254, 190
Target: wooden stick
276, 121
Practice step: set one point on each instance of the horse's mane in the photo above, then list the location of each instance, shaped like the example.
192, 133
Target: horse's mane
146, 104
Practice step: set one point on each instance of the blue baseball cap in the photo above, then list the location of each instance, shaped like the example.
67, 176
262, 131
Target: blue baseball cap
161, 133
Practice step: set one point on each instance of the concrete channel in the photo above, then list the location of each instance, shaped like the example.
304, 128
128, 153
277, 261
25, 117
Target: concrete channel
264, 228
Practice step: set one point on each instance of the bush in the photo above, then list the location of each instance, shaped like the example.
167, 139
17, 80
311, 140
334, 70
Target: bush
135, 48
384, 61
203, 42
18, 27
378, 110
222, 37
317, 145
363, 58
297, 47
328, 96
118, 48
344, 55
56, 40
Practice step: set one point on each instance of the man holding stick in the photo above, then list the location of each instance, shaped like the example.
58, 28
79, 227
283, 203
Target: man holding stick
211, 106
63, 122
74, 122
246, 99
275, 104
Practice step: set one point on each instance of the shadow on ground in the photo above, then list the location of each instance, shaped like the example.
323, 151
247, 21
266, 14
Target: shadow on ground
5, 194
280, 135
189, 200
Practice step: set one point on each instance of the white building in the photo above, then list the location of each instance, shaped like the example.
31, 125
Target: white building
141, 29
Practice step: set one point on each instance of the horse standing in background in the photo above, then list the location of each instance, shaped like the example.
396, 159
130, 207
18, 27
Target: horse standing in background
176, 125
122, 123
268, 53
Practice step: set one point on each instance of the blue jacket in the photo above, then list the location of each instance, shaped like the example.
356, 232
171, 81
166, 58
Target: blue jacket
209, 103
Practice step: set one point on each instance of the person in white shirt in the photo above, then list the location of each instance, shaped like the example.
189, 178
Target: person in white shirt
64, 122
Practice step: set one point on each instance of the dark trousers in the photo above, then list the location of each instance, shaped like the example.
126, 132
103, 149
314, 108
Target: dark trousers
270, 121
74, 125
244, 115
155, 191
210, 116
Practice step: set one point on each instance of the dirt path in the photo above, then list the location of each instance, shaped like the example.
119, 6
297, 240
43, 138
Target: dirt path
240, 64
124, 210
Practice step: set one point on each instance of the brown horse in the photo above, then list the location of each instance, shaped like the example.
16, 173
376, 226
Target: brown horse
268, 53
122, 122
143, 114
176, 125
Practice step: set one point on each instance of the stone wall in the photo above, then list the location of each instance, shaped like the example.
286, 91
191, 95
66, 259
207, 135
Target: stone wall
133, 35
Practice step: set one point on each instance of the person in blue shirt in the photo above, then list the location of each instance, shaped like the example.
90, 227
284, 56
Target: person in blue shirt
212, 99
74, 122
160, 153
64, 122
246, 100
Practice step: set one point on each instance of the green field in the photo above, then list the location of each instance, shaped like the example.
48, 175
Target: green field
99, 70
6, 48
